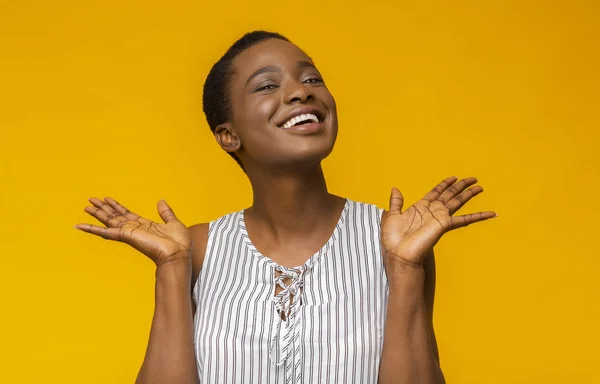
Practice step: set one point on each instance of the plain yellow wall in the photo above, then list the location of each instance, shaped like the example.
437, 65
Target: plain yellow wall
103, 98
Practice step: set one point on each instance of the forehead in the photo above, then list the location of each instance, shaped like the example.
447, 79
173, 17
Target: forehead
271, 52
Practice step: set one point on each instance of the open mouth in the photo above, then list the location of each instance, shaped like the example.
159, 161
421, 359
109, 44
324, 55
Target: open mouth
305, 118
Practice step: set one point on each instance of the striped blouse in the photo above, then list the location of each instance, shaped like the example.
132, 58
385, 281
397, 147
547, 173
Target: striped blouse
332, 334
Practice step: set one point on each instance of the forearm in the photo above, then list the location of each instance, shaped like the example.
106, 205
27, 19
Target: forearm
408, 352
170, 353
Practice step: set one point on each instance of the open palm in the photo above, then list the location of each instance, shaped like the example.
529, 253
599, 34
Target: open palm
161, 242
407, 236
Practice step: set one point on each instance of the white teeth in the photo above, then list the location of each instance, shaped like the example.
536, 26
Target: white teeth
299, 119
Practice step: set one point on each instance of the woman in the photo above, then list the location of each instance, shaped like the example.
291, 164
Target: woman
303, 286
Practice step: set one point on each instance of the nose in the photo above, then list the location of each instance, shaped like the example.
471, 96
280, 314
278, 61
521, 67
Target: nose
296, 91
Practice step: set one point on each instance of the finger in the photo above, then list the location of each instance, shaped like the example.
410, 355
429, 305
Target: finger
396, 201
441, 187
464, 220
165, 212
103, 232
455, 189
121, 209
113, 218
103, 217
461, 199
101, 204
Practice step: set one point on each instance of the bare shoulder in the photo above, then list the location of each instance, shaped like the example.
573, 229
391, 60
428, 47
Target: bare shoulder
199, 234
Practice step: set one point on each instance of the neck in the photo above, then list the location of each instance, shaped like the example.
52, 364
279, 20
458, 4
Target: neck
293, 203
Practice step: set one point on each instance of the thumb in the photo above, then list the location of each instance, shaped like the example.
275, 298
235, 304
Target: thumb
396, 201
165, 212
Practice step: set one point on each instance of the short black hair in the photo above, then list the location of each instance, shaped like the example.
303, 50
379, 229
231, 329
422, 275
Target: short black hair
215, 97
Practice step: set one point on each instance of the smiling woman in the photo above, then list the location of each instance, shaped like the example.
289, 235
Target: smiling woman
257, 71
303, 286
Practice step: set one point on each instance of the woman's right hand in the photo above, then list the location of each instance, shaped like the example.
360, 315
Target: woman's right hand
162, 243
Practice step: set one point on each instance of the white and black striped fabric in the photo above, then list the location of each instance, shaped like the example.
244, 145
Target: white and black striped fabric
332, 334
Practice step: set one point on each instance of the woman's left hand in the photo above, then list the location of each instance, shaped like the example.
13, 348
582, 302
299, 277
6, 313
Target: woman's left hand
407, 236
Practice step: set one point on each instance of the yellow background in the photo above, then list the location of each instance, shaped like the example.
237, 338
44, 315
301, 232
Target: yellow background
103, 98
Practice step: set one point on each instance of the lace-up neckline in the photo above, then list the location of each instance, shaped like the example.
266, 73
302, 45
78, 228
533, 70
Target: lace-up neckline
288, 302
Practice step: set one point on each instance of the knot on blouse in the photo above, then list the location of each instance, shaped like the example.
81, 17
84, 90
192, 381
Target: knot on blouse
287, 305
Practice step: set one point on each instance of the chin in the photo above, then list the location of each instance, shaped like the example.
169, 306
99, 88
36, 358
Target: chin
309, 155
304, 151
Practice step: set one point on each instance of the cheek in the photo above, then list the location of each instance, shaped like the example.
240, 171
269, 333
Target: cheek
263, 109
253, 119
329, 100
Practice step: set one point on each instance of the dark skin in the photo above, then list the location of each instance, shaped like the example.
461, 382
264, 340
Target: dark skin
284, 167
292, 216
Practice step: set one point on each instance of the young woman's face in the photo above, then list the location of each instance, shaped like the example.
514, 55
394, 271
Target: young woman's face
282, 112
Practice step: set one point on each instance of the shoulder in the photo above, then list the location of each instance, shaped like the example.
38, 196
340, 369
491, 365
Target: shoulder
199, 234
374, 210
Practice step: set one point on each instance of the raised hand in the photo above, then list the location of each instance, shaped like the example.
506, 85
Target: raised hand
407, 236
162, 243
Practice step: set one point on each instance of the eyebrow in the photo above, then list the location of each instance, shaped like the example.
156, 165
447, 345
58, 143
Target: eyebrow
305, 64
268, 69
273, 68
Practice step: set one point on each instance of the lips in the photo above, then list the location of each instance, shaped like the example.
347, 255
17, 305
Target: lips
301, 115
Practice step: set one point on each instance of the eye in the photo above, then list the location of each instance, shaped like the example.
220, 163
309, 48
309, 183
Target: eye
265, 87
313, 80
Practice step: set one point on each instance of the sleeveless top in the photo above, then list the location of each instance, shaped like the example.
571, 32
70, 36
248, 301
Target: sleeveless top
332, 331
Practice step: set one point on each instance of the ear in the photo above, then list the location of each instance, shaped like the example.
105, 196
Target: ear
227, 138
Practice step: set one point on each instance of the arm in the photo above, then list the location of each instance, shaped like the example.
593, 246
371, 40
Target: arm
170, 357
410, 349
408, 237
170, 352
429, 292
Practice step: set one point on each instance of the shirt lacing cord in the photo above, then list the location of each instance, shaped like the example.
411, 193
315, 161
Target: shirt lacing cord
287, 308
